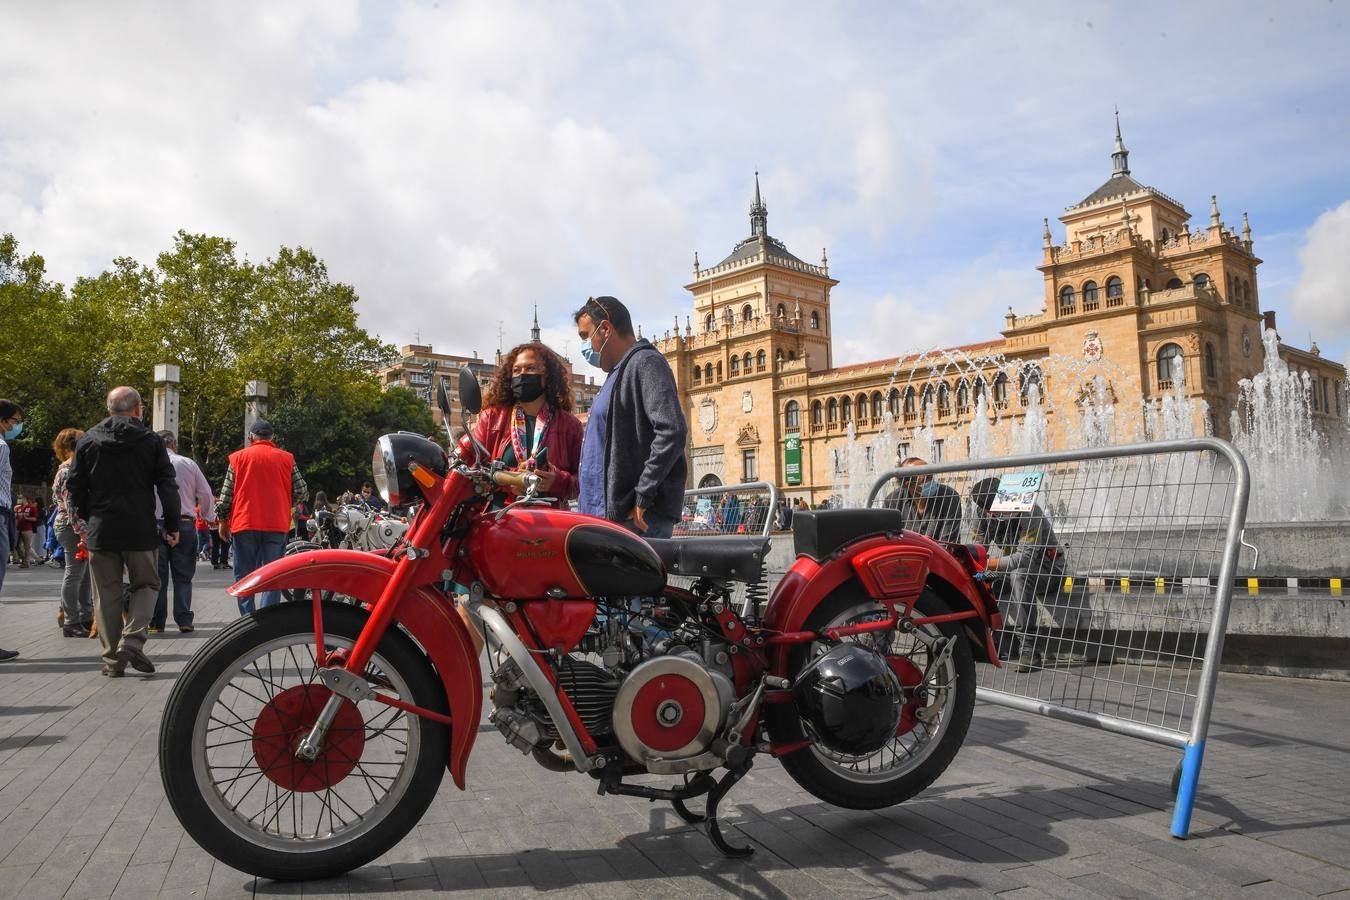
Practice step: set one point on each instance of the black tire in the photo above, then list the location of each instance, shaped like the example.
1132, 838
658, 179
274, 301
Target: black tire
825, 774
202, 807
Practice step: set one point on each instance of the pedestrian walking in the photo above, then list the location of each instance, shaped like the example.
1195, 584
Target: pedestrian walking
11, 426
220, 545
77, 604
261, 486
178, 563
25, 520
120, 467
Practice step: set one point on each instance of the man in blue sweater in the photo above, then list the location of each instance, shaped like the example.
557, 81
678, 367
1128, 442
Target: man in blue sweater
632, 468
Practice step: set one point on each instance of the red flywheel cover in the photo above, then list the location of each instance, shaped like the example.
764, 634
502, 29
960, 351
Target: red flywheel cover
285, 721
647, 724
911, 676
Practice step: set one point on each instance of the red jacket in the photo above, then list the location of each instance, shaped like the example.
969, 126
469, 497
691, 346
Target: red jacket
563, 440
262, 488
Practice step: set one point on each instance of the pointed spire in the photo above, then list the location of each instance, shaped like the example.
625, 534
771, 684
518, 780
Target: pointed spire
1124, 214
1214, 211
1246, 231
534, 332
1045, 232
759, 213
1120, 157
824, 261
695, 263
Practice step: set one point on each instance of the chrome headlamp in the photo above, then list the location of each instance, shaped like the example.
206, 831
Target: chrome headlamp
390, 462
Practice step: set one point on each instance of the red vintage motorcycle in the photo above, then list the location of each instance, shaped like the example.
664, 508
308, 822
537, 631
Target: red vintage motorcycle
309, 738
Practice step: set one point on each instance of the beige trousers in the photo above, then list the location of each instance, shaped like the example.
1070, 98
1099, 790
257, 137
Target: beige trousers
123, 615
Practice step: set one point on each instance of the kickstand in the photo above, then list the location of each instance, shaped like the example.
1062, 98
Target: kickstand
714, 797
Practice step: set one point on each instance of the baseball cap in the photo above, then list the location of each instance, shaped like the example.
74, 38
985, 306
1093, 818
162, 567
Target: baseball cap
262, 428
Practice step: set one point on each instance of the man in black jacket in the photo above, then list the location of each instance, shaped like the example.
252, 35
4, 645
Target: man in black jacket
119, 466
929, 507
632, 467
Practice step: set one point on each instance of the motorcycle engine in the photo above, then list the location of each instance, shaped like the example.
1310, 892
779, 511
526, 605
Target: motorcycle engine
669, 709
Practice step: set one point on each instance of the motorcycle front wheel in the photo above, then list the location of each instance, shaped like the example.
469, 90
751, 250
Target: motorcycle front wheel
236, 715
937, 669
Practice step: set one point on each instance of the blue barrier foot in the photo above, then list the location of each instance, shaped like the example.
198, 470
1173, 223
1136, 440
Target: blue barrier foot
1185, 789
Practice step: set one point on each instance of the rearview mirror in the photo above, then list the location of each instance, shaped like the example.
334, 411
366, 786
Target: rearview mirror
442, 400
470, 394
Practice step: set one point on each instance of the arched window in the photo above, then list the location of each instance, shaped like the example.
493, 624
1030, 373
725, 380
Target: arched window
792, 355
846, 410
698, 374
745, 361
815, 413
1066, 299
944, 399
861, 406
747, 313
979, 387
760, 359
707, 372
719, 370
1029, 378
782, 311
910, 404
1173, 284
962, 397
792, 415
735, 365
1211, 368
1247, 294
1090, 295
926, 398
1114, 288
778, 357
1201, 280
893, 401
815, 319
710, 323
876, 405
832, 411
1171, 366
1001, 390
1166, 235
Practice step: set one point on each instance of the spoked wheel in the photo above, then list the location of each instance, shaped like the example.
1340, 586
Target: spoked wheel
302, 546
232, 726
934, 665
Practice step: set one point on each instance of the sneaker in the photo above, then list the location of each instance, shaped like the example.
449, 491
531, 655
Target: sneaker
185, 629
74, 631
1028, 661
139, 661
6, 655
114, 670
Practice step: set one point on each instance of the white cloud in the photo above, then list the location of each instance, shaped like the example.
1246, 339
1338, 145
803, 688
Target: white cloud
1318, 298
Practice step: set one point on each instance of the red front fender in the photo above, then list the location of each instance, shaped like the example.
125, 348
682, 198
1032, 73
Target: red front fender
423, 613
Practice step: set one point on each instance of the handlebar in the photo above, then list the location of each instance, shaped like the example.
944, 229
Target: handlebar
522, 481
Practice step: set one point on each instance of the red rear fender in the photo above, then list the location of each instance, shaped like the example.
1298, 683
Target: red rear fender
426, 615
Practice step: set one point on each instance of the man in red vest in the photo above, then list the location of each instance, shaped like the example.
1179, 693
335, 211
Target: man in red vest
261, 487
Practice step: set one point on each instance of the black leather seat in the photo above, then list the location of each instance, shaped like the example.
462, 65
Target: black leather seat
727, 558
819, 533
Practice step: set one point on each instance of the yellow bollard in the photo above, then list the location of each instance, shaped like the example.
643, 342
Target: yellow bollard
1124, 585
1253, 586
1159, 586
1335, 587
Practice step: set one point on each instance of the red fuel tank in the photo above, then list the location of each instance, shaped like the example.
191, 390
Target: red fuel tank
530, 553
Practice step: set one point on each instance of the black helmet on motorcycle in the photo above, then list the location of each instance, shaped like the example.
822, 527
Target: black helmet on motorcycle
984, 492
850, 699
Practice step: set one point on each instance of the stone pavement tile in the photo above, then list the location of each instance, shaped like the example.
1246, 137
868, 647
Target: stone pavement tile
1285, 866
1151, 883
158, 845
1324, 843
1189, 855
1274, 891
13, 878
1106, 886
1049, 884
141, 881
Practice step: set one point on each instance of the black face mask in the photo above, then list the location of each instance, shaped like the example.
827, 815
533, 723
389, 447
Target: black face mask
527, 387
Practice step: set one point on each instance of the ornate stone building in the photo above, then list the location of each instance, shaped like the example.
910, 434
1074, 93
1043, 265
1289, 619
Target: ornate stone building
1138, 304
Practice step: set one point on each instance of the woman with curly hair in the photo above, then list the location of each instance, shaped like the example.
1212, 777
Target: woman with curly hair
77, 604
527, 419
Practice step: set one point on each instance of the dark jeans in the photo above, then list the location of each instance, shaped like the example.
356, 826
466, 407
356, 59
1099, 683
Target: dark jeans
180, 564
6, 540
220, 550
253, 550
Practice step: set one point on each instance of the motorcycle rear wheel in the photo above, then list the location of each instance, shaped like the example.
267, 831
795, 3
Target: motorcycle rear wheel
235, 715
912, 760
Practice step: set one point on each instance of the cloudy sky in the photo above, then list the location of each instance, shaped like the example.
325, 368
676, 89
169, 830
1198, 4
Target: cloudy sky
457, 163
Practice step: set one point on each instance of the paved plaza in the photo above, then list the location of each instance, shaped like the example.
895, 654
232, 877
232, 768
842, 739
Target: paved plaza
1030, 808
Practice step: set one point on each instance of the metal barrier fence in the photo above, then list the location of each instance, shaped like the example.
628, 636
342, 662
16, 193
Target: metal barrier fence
735, 509
1114, 575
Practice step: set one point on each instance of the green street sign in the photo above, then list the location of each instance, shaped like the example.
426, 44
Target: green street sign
792, 458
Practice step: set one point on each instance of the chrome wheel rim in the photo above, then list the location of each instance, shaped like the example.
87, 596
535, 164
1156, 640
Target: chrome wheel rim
245, 798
